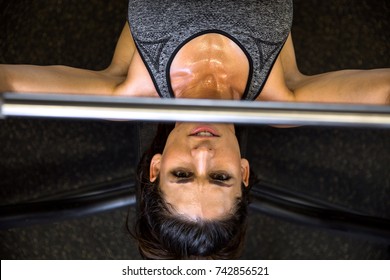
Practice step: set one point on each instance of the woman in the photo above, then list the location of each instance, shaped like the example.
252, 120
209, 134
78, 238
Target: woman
193, 193
229, 50
201, 49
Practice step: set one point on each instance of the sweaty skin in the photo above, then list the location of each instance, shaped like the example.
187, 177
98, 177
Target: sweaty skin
207, 67
201, 170
209, 63
220, 73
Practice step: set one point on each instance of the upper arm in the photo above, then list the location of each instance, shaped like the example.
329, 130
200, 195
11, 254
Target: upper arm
345, 86
123, 54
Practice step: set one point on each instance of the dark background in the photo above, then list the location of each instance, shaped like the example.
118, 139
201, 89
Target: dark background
345, 166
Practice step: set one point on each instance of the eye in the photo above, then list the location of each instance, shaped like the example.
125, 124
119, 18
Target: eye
182, 174
220, 176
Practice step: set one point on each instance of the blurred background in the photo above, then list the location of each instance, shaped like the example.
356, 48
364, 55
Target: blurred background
348, 167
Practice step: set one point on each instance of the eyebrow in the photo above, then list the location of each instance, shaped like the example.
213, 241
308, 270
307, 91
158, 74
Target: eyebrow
184, 181
220, 184
211, 181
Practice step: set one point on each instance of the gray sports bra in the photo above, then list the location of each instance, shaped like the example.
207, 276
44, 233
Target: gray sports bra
161, 28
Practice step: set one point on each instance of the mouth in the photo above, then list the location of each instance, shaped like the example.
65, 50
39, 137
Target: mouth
204, 131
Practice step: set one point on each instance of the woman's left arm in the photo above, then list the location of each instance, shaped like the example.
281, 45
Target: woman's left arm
344, 86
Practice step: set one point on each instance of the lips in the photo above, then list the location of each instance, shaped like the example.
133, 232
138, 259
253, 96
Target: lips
204, 131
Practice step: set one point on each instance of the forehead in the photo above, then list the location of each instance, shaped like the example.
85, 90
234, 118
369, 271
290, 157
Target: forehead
204, 201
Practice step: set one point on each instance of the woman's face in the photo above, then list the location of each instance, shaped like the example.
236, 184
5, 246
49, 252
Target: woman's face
201, 170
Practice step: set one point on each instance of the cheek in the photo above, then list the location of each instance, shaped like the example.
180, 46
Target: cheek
230, 156
172, 150
172, 155
175, 145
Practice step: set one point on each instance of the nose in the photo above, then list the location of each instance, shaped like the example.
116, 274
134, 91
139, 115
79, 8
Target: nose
202, 151
202, 155
204, 148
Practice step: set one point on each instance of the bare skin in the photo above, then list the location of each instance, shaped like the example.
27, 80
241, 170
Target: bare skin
201, 173
202, 69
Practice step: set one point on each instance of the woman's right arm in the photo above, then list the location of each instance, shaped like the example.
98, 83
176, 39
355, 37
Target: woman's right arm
70, 80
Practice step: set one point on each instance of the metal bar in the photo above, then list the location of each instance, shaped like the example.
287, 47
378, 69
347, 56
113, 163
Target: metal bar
301, 209
266, 199
85, 201
50, 211
167, 110
126, 184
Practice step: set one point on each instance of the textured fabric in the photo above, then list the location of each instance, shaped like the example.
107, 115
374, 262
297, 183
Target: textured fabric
160, 28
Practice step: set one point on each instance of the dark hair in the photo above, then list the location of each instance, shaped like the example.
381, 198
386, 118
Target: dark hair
162, 233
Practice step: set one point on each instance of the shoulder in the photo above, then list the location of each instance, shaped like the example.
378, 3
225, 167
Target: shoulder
275, 88
283, 77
